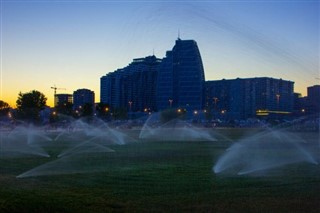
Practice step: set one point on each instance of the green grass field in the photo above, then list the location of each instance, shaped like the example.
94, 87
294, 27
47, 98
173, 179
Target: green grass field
151, 176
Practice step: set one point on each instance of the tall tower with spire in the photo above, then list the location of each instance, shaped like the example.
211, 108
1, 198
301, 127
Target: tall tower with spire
181, 79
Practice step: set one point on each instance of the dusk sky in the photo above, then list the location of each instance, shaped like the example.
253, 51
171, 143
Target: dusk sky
71, 44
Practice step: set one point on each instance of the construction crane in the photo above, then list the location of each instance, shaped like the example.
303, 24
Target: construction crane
55, 93
56, 88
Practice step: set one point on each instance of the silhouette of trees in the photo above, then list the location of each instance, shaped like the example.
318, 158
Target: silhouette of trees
65, 108
87, 109
120, 114
30, 104
4, 108
103, 111
171, 114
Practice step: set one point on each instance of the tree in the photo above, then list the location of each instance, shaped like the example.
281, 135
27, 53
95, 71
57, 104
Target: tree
171, 114
4, 108
120, 114
103, 110
30, 104
87, 109
65, 108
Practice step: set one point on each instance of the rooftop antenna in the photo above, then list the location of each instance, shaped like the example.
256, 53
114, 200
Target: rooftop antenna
178, 34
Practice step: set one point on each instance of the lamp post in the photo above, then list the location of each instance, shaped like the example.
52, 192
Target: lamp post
215, 99
130, 109
130, 105
170, 102
278, 100
215, 111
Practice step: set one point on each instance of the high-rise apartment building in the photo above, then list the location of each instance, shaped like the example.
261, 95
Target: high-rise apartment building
132, 87
244, 98
313, 99
181, 77
61, 99
82, 97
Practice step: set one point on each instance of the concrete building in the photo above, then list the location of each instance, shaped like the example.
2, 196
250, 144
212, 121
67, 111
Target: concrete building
61, 99
181, 78
132, 87
313, 99
250, 97
82, 97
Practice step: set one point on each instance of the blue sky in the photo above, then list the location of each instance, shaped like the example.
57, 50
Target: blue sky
71, 44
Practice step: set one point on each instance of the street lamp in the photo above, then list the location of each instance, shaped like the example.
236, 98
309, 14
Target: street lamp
278, 100
215, 99
170, 102
130, 105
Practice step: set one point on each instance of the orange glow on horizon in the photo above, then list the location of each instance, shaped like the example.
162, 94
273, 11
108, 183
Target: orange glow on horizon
12, 96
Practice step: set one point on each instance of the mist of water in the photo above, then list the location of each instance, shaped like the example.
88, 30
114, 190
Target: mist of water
267, 150
88, 161
174, 130
24, 140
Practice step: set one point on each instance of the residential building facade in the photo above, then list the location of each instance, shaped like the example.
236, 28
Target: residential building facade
245, 98
313, 99
61, 99
181, 78
82, 97
132, 87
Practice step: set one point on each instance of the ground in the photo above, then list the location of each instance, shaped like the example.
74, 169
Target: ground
153, 176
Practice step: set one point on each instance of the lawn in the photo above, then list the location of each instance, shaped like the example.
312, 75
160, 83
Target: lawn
153, 176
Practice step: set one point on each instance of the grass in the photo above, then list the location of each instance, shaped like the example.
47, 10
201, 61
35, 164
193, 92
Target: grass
155, 177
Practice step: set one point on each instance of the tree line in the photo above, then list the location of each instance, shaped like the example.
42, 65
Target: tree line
29, 106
